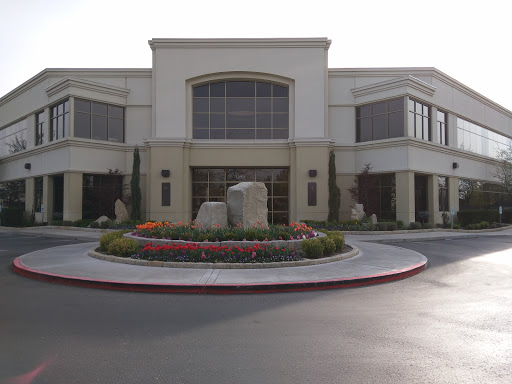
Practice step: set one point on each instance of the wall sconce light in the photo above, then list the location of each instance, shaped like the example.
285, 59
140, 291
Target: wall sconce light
312, 173
165, 173
27, 166
455, 165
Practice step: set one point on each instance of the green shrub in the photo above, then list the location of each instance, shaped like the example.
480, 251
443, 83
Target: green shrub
456, 226
12, 216
94, 224
206, 236
251, 234
229, 236
400, 224
313, 249
283, 235
427, 226
123, 247
338, 238
477, 216
107, 238
414, 225
105, 224
67, 223
382, 226
392, 226
328, 245
81, 223
484, 224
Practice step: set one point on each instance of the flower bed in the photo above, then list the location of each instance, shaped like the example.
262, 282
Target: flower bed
196, 233
192, 243
193, 252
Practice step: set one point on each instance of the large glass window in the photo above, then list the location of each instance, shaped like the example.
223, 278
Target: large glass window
240, 110
38, 194
40, 120
99, 121
13, 138
442, 183
59, 120
211, 184
473, 138
475, 194
381, 120
442, 131
99, 195
419, 120
381, 199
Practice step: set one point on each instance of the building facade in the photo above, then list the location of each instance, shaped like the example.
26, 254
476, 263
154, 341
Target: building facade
214, 112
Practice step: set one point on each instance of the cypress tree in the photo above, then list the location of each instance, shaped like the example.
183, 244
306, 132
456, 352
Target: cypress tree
135, 186
334, 191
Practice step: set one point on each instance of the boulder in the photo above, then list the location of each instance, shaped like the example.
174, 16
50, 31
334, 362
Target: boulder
211, 214
247, 205
102, 219
373, 219
121, 212
357, 212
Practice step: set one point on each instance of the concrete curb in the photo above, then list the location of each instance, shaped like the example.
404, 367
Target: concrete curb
404, 232
282, 264
19, 268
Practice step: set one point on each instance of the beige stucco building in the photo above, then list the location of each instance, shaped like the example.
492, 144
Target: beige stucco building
214, 112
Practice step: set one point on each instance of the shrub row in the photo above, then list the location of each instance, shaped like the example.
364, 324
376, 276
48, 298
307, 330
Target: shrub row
324, 246
12, 216
465, 218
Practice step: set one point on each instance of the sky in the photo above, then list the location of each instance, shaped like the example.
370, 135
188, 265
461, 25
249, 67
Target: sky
468, 40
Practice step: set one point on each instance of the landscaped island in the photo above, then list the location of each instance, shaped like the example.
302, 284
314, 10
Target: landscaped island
188, 242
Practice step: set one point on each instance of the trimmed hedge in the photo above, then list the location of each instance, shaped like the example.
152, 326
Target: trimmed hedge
108, 238
468, 217
123, 247
12, 216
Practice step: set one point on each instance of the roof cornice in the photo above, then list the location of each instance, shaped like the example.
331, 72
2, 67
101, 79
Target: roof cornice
419, 71
88, 85
314, 42
406, 81
74, 72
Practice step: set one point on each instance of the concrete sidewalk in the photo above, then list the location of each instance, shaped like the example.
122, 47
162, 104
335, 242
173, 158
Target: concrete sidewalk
375, 263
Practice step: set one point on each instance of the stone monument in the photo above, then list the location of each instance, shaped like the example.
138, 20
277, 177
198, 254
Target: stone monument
212, 213
121, 211
247, 205
357, 212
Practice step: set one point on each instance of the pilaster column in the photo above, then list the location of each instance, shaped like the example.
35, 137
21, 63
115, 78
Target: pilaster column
47, 198
29, 195
405, 197
73, 196
433, 198
453, 194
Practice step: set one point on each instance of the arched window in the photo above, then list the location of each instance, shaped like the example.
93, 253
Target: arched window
240, 110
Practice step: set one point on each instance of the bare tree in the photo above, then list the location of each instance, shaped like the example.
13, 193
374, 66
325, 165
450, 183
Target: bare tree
12, 193
360, 191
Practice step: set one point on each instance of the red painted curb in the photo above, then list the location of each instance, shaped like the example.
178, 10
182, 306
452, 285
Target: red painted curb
20, 269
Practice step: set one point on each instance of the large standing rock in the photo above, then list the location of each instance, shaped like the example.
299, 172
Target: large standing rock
247, 205
212, 213
357, 212
121, 212
373, 219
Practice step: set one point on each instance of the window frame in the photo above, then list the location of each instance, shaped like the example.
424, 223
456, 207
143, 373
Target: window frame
366, 113
413, 131
54, 120
93, 115
266, 115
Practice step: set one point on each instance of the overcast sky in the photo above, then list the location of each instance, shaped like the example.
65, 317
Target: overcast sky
468, 40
